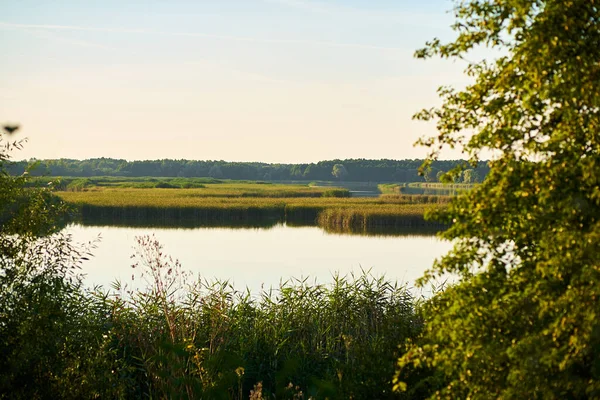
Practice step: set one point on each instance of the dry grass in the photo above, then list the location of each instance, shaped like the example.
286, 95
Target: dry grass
199, 199
204, 204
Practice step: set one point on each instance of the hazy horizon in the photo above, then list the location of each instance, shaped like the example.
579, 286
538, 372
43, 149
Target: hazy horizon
275, 81
17, 159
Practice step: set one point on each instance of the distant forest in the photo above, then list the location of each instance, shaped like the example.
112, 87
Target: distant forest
357, 170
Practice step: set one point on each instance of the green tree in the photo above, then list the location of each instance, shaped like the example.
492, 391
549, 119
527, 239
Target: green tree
50, 332
470, 176
523, 321
438, 176
431, 174
339, 171
215, 172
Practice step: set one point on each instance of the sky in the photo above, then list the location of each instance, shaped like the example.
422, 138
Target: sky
281, 81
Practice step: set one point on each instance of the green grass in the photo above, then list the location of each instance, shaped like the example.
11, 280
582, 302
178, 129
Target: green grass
391, 188
82, 183
336, 341
416, 198
215, 187
424, 188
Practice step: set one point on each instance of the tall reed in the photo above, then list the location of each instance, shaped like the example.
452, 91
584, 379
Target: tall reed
383, 216
190, 338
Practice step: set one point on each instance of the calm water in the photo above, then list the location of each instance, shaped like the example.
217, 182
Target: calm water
261, 257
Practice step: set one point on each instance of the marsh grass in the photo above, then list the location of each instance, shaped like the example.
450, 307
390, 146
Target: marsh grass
183, 337
88, 183
196, 205
214, 187
380, 216
416, 198
435, 188
440, 185
391, 188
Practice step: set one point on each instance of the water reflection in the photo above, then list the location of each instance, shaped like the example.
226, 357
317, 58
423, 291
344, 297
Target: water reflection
432, 191
259, 223
261, 256
376, 231
178, 223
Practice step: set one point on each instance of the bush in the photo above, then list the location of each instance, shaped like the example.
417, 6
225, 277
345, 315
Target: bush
165, 185
77, 185
336, 193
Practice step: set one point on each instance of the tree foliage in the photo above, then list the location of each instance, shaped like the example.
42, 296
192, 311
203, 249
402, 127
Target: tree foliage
49, 331
524, 319
358, 169
339, 171
470, 176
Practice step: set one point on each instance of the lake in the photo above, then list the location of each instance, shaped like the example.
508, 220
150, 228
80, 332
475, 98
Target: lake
258, 258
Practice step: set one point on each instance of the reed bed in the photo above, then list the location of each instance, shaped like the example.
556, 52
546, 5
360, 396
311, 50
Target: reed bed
192, 205
76, 184
440, 185
211, 187
391, 188
300, 340
170, 335
416, 198
268, 190
198, 198
381, 216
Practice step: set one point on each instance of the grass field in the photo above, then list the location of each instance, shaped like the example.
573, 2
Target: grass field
212, 187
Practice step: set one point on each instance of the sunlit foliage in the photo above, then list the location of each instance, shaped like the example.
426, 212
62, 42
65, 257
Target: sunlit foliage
524, 321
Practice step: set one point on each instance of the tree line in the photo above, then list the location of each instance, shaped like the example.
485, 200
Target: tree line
358, 170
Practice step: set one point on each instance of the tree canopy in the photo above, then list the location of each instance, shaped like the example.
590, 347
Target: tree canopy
357, 169
339, 171
523, 321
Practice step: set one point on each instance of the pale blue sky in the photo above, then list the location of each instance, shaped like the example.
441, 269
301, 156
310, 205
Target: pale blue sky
239, 80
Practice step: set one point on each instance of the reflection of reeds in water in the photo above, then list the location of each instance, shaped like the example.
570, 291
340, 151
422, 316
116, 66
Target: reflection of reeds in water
205, 214
416, 231
181, 208
302, 218
177, 223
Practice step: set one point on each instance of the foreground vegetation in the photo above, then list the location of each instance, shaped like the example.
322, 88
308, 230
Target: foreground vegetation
523, 321
182, 338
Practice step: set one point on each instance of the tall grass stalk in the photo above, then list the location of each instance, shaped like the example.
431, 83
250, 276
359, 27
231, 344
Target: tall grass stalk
193, 338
